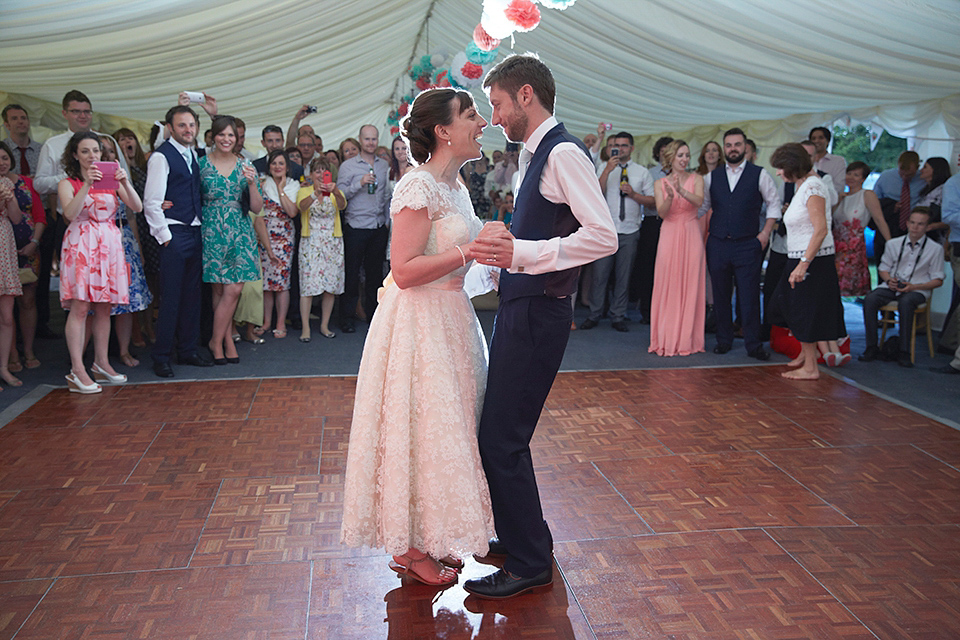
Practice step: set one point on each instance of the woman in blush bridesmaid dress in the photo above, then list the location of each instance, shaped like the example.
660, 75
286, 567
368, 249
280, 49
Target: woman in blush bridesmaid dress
679, 282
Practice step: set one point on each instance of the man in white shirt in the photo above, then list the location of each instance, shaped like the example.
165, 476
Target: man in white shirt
628, 187
910, 269
560, 222
79, 116
173, 175
241, 140
835, 166
49, 172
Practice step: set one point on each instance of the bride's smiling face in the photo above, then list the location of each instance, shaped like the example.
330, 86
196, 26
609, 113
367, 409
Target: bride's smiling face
465, 131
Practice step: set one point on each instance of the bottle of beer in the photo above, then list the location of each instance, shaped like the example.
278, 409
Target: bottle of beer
372, 187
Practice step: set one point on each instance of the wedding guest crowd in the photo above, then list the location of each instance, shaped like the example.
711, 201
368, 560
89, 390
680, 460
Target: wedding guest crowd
247, 234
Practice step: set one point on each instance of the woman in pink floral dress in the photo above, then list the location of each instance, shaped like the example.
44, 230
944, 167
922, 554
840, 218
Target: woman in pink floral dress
855, 210
93, 270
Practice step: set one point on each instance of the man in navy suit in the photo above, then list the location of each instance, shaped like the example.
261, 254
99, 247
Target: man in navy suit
173, 175
737, 192
560, 221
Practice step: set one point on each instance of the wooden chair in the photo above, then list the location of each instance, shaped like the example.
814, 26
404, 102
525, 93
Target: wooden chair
889, 319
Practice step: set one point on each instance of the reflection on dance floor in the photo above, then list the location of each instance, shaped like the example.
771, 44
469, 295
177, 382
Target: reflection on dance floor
700, 503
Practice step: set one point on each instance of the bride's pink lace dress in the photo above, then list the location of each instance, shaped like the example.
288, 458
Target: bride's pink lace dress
413, 467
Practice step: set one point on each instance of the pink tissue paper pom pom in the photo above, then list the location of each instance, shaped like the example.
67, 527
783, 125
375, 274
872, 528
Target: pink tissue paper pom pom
484, 40
524, 14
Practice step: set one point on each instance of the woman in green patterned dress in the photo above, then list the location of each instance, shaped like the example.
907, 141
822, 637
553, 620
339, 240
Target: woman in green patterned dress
230, 255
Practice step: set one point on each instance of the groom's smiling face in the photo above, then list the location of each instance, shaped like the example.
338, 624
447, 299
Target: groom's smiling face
508, 115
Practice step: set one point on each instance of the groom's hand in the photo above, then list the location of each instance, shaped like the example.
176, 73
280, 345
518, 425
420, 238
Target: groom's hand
494, 246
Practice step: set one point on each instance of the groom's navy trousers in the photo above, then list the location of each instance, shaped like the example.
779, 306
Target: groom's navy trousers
529, 337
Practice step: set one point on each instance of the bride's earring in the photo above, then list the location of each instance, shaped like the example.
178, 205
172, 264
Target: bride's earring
449, 143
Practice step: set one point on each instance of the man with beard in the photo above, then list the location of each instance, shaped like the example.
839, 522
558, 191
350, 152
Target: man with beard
173, 175
737, 191
560, 222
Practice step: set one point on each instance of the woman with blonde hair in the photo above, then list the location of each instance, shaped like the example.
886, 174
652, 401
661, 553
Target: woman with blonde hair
677, 309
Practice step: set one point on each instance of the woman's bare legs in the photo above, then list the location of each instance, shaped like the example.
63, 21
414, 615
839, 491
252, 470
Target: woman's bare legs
101, 335
6, 340
326, 307
306, 302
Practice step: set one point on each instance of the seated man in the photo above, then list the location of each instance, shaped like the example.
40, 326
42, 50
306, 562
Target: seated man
910, 269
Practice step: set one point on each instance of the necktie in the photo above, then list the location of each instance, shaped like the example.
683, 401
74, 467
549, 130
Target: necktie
623, 196
24, 165
904, 205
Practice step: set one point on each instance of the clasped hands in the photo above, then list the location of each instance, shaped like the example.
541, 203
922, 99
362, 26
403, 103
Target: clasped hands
494, 246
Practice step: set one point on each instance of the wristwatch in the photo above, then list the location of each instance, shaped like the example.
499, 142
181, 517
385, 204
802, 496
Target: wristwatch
804, 259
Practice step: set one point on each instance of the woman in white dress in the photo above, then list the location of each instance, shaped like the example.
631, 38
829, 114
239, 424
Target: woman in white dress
414, 483
807, 297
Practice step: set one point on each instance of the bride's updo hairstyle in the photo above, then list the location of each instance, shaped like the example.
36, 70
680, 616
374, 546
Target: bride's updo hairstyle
431, 108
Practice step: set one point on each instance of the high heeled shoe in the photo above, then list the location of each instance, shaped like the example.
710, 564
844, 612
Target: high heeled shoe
102, 376
75, 386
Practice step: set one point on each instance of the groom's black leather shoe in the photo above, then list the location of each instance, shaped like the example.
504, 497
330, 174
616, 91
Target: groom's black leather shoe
502, 584
497, 548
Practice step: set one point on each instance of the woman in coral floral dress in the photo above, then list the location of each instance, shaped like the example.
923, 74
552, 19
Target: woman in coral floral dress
93, 270
851, 217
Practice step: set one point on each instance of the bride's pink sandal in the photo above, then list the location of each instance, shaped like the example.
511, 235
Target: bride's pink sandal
410, 570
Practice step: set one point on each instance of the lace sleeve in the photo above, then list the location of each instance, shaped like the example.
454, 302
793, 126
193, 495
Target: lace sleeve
816, 188
416, 190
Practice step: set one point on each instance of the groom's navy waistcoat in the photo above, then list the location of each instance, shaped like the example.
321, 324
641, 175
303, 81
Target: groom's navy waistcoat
536, 218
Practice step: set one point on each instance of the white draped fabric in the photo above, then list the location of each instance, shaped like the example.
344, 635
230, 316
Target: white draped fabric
647, 66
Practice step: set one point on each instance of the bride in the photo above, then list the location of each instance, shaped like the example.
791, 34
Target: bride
414, 484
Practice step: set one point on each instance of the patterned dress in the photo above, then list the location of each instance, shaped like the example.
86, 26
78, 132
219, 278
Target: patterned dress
92, 263
140, 296
33, 213
229, 245
281, 232
849, 223
321, 254
413, 476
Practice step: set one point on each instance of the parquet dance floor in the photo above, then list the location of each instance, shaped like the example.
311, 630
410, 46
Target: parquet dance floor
694, 503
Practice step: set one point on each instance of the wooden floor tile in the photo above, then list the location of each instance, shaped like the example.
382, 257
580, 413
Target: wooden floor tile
336, 438
61, 458
739, 424
5, 497
17, 600
179, 402
213, 450
878, 485
266, 601
735, 382
902, 582
579, 503
274, 520
384, 607
304, 397
598, 433
731, 584
606, 389
60, 408
59, 532
716, 491
861, 419
948, 452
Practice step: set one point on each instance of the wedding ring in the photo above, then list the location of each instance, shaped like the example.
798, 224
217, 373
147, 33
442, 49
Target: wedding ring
494, 257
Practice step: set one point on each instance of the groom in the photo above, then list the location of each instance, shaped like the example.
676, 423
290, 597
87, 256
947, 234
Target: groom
560, 222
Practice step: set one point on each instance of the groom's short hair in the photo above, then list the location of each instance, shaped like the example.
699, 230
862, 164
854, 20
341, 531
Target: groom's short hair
520, 69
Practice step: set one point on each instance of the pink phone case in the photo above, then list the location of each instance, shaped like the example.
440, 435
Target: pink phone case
109, 171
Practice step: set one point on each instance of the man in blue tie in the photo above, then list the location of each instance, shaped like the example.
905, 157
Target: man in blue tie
173, 175
560, 222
